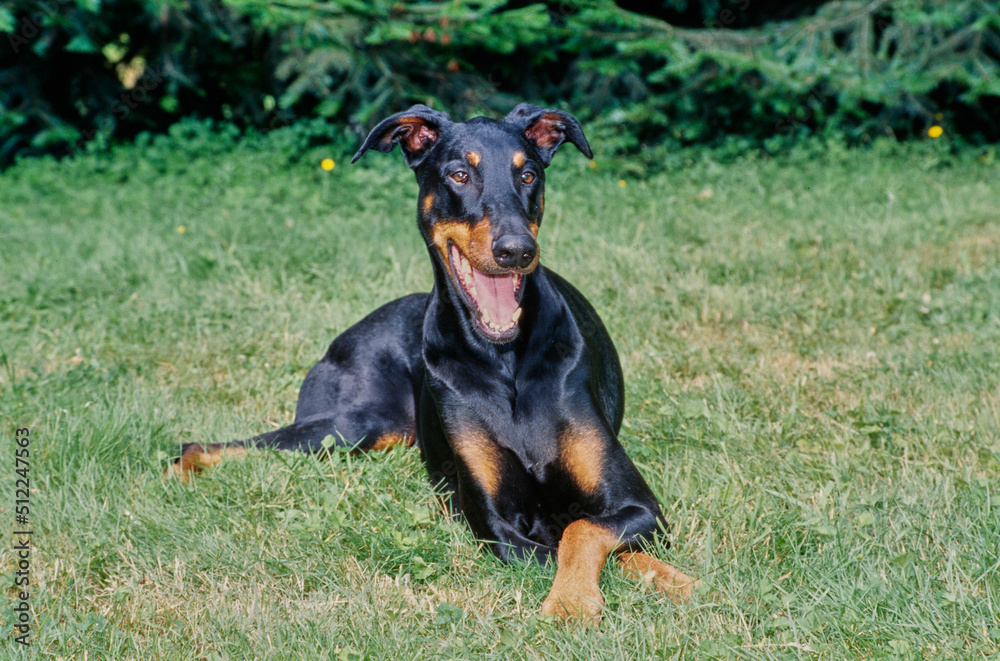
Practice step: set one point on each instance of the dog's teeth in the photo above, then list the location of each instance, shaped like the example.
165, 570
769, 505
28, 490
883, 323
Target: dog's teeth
514, 317
486, 317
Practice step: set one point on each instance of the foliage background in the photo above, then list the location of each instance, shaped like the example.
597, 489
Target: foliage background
754, 72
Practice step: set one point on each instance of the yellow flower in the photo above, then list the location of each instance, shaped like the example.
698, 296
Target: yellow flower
181, 229
622, 183
592, 165
935, 131
327, 164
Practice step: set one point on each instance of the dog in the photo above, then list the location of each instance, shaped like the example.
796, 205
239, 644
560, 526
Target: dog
503, 375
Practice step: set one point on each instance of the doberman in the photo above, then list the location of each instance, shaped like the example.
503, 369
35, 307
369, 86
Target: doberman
503, 376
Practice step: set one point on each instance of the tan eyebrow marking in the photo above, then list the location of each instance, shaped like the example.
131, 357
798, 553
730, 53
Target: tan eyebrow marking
473, 158
518, 158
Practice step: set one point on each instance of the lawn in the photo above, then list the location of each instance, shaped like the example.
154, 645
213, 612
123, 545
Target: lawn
811, 345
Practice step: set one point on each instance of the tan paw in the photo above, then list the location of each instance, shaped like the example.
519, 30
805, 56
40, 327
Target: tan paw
195, 458
669, 580
580, 602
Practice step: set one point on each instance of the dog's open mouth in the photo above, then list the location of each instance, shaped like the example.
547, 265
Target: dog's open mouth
494, 300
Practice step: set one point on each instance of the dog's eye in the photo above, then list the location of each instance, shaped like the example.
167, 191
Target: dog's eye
460, 177
528, 176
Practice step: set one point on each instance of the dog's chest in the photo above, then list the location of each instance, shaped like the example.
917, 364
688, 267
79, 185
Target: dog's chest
508, 404
518, 425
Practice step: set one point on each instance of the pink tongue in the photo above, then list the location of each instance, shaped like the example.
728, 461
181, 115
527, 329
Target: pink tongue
495, 296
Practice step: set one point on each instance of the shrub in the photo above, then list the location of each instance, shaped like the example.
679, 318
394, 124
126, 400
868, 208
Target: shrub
856, 68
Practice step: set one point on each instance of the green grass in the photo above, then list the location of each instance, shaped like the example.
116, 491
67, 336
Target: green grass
811, 353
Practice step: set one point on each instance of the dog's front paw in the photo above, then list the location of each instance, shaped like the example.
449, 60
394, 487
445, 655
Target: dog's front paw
580, 601
669, 580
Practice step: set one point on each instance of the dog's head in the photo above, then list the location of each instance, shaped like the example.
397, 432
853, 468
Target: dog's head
481, 199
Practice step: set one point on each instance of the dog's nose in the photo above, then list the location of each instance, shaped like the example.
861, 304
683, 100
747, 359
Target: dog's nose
515, 251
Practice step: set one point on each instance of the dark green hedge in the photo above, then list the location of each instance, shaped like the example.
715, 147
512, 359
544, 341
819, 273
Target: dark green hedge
79, 71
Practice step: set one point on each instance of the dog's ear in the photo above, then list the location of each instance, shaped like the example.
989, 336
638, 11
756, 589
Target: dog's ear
547, 129
416, 131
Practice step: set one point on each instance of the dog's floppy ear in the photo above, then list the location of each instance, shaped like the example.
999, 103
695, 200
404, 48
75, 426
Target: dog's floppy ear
547, 129
416, 131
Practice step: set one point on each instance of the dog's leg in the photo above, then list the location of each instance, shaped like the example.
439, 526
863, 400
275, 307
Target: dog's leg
671, 581
361, 394
575, 593
304, 436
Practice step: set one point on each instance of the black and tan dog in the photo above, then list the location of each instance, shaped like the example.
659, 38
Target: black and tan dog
503, 375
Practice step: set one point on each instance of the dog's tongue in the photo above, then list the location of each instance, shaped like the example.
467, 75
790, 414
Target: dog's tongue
495, 296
